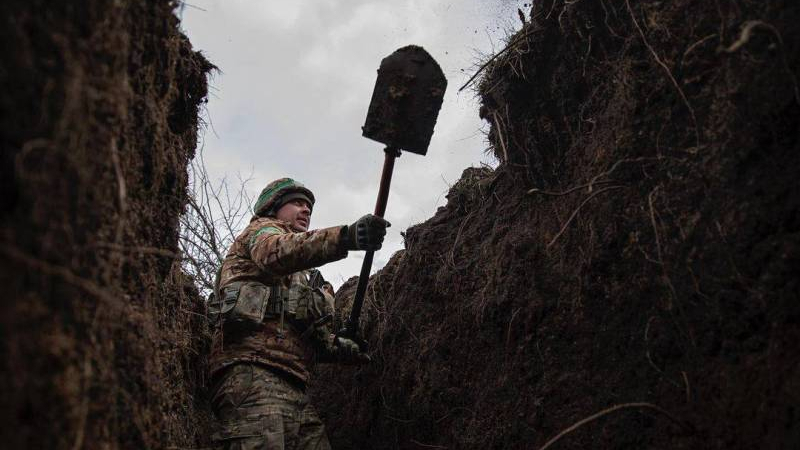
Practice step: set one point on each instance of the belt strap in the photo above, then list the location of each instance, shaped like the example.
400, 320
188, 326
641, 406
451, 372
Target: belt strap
275, 302
276, 307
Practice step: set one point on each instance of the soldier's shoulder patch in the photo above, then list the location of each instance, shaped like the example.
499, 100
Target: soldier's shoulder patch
269, 229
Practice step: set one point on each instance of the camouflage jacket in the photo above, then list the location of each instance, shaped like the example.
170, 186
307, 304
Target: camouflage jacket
268, 259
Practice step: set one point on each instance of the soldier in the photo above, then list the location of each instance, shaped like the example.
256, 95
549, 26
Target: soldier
273, 315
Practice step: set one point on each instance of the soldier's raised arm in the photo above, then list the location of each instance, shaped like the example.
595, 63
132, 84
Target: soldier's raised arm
279, 251
279, 241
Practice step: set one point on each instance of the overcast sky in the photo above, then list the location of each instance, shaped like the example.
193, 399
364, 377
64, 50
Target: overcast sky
295, 83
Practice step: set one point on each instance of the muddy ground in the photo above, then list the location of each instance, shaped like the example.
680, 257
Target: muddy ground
633, 261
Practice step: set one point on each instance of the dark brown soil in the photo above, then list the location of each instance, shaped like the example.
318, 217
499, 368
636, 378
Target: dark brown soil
635, 254
98, 115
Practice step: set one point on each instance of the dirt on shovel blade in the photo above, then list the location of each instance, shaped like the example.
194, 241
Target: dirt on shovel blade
406, 100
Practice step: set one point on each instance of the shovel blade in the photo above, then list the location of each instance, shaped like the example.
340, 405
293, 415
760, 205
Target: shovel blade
406, 101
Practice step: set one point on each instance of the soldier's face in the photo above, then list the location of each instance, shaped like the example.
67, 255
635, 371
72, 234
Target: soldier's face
297, 212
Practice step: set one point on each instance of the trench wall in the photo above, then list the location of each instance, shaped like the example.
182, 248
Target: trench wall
632, 260
99, 336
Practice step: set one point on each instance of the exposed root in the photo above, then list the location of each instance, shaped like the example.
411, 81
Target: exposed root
586, 56
588, 185
688, 389
122, 191
84, 408
655, 229
744, 37
508, 47
647, 353
451, 256
28, 148
552, 8
508, 330
122, 199
459, 408
605, 19
593, 182
659, 253
674, 302
668, 72
426, 445
577, 210
606, 411
747, 33
596, 178
500, 126
695, 45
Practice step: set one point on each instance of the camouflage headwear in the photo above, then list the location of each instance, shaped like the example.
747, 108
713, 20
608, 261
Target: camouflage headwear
279, 191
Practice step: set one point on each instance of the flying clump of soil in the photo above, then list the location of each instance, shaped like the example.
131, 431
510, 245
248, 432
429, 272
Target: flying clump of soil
627, 276
100, 335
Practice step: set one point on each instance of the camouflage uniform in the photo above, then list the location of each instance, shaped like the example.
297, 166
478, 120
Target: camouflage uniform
273, 322
264, 411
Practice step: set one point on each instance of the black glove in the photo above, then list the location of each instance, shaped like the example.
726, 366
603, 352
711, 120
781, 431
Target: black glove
348, 351
366, 233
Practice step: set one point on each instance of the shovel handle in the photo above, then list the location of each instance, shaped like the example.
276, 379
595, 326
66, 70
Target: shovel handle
351, 327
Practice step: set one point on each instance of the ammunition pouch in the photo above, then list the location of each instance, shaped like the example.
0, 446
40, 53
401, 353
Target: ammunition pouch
309, 304
248, 303
243, 302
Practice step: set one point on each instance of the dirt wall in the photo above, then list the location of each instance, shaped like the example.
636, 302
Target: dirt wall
98, 337
628, 275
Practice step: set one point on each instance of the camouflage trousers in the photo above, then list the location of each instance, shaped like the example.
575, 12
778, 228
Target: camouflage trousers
259, 410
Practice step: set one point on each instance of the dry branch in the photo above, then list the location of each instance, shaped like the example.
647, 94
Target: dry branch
214, 216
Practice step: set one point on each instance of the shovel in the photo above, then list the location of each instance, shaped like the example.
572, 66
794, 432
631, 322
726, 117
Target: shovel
405, 104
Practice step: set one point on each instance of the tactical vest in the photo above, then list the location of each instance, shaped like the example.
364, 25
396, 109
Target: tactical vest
278, 326
248, 303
